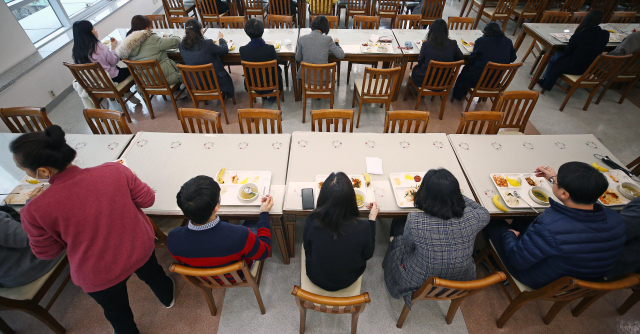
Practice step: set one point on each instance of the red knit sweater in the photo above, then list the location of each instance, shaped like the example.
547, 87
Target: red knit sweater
95, 214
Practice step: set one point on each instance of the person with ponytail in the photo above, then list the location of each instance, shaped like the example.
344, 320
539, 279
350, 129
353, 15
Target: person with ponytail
95, 215
196, 50
438, 47
87, 49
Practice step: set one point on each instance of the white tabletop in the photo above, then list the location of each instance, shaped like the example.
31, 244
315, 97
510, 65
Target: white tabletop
316, 153
412, 35
351, 39
545, 30
481, 155
165, 161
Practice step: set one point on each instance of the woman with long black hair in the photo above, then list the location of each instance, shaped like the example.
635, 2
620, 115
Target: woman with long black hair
87, 49
438, 47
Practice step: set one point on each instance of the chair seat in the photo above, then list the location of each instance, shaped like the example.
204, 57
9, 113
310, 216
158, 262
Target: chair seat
307, 285
411, 4
575, 77
359, 83
167, 224
28, 291
212, 17
354, 11
481, 91
254, 269
510, 133
124, 83
490, 11
520, 285
207, 94
520, 10
626, 77
154, 91
541, 47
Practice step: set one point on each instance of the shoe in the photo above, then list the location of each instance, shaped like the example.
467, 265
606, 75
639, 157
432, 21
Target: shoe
271, 99
173, 301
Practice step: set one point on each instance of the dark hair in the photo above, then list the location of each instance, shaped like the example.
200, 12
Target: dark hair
84, 42
193, 39
15, 215
439, 195
592, 19
438, 34
254, 28
198, 198
492, 29
43, 149
320, 23
336, 203
583, 182
139, 22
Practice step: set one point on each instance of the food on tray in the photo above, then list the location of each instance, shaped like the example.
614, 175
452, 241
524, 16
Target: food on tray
632, 191
530, 181
598, 167
513, 182
500, 181
251, 193
367, 179
610, 197
220, 174
320, 185
365, 44
33, 181
235, 179
359, 199
410, 194
540, 195
496, 202
256, 179
223, 190
246, 179
417, 178
614, 178
356, 182
397, 180
408, 177
511, 200
383, 48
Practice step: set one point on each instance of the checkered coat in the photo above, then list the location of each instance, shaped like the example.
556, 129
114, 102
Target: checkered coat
432, 246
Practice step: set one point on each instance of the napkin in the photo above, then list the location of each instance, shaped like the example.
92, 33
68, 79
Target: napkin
374, 165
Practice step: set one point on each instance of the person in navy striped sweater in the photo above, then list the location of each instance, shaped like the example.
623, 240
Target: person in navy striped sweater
208, 242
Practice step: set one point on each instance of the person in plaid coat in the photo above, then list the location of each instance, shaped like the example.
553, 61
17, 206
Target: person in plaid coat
437, 241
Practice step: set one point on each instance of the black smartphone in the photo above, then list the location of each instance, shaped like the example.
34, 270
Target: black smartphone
307, 199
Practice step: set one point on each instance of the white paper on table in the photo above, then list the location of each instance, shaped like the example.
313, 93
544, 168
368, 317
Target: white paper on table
351, 48
374, 165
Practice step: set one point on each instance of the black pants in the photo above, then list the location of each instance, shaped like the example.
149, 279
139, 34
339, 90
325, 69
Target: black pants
115, 300
494, 232
123, 73
397, 227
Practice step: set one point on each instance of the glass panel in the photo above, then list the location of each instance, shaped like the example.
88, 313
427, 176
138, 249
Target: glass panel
37, 19
73, 7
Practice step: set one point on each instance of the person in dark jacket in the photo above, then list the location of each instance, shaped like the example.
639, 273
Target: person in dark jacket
336, 243
438, 47
196, 50
586, 44
493, 46
629, 260
578, 238
257, 50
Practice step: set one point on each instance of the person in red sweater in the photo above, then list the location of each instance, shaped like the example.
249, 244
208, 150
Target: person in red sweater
95, 214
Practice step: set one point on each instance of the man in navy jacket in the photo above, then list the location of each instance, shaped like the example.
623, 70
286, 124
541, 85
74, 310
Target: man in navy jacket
578, 238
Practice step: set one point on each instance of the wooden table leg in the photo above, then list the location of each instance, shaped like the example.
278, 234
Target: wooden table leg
293, 65
464, 6
520, 39
541, 67
290, 227
278, 232
403, 68
302, 13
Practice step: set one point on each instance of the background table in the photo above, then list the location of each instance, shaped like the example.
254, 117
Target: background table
165, 161
481, 155
316, 153
411, 35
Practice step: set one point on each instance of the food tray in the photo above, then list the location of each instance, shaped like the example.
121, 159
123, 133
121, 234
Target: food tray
564, 37
467, 45
523, 189
276, 44
418, 43
374, 48
230, 196
20, 193
406, 185
615, 177
368, 191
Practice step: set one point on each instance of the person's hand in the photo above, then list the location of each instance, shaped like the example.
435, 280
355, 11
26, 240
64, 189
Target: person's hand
267, 203
114, 43
336, 40
374, 210
36, 192
634, 30
515, 232
165, 35
545, 171
220, 35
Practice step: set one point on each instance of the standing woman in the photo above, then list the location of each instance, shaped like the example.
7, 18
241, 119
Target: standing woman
437, 241
336, 243
314, 48
438, 47
196, 50
88, 49
95, 214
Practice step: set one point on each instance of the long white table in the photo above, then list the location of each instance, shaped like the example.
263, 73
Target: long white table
412, 35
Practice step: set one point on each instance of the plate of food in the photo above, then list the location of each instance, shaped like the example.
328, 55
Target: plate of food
20, 194
231, 183
404, 186
621, 189
405, 196
533, 190
467, 45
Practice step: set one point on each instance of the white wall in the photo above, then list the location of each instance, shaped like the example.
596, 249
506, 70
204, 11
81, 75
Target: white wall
32, 88
16, 45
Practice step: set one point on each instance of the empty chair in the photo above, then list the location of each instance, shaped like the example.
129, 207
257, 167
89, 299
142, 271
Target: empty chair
178, 22
623, 17
494, 80
210, 13
332, 116
201, 83
460, 23
632, 6
502, 12
547, 17
25, 119
262, 77
516, 107
634, 166
629, 73
103, 122
200, 120
232, 22
322, 7
407, 22
158, 21
279, 21
577, 17
480, 122
177, 8
366, 22
282, 7
388, 9
318, 82
260, 116
377, 86
356, 8
571, 5
334, 21
255, 8
606, 6
431, 10
406, 120
631, 301
531, 10
439, 79
151, 81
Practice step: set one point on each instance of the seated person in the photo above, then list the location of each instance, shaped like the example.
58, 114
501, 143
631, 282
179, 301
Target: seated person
629, 45
336, 243
629, 260
315, 47
18, 265
257, 50
208, 242
438, 47
422, 245
578, 238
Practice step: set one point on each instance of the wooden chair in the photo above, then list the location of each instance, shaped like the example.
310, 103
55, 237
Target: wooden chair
279, 21
456, 291
605, 6
480, 122
356, 8
494, 80
201, 82
631, 301
438, 81
177, 8
103, 122
200, 120
547, 17
209, 13
232, 22
407, 22
178, 22
262, 77
331, 305
377, 86
516, 107
416, 119
531, 10
322, 7
502, 12
601, 70
282, 7
25, 119
632, 6
205, 279
577, 17
460, 23
151, 81
255, 8
158, 21
629, 73
98, 85
334, 21
388, 9
27, 297
571, 6
257, 116
623, 17
362, 22
318, 82
431, 10
332, 116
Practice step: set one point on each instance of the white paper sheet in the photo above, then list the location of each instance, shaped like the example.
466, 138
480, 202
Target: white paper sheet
374, 165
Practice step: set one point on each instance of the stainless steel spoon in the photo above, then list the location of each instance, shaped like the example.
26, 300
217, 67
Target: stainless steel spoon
515, 193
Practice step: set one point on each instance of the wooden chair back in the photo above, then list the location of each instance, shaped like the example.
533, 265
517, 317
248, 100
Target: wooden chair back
261, 76
209, 13
200, 120
332, 305
366, 22
534, 6
178, 22
106, 122
517, 107
148, 76
604, 5
505, 7
432, 10
632, 6
158, 21
322, 7
460, 23
632, 67
174, 8
253, 8
201, 82
496, 77
232, 22
441, 75
480, 122
93, 79
405, 121
572, 5
318, 78
379, 83
359, 6
25, 119
257, 116
330, 116
334, 21
634, 166
555, 17
623, 17
602, 69
577, 17
279, 21
280, 7
388, 8
407, 22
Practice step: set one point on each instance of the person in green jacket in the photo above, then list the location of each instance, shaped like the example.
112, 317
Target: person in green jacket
143, 44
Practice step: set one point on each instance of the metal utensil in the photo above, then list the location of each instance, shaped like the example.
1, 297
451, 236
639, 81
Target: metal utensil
515, 193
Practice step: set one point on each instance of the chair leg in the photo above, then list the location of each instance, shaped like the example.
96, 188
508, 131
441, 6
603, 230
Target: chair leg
536, 62
353, 101
585, 303
250, 100
233, 99
469, 101
303, 319
354, 322
418, 97
224, 110
348, 72
515, 305
304, 108
594, 90
44, 316
286, 75
5, 328
566, 99
256, 291
406, 91
528, 51
555, 309
126, 111
175, 105
147, 100
359, 111
604, 90
630, 302
403, 316
630, 85
338, 83
443, 104
453, 308
518, 25
211, 302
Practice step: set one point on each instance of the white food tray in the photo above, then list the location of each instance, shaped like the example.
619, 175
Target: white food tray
276, 44
368, 191
418, 43
616, 178
230, 196
374, 48
400, 190
523, 189
20, 194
